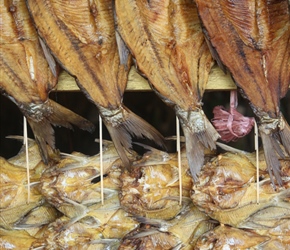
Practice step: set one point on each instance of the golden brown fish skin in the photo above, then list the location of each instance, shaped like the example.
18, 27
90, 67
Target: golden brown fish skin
166, 39
82, 36
227, 192
27, 78
225, 237
252, 39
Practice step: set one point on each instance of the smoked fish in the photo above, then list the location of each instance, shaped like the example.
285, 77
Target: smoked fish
81, 35
166, 39
27, 76
252, 40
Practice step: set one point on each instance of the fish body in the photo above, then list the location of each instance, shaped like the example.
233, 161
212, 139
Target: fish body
81, 35
27, 76
166, 39
225, 237
227, 192
182, 232
252, 40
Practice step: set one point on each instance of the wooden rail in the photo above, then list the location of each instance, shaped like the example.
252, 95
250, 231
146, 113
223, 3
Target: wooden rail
217, 81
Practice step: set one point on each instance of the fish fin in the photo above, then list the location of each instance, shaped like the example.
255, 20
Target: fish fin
49, 58
197, 139
285, 134
271, 158
54, 114
64, 117
122, 125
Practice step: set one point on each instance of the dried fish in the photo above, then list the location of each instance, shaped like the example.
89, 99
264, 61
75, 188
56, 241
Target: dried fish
166, 39
152, 188
81, 35
101, 226
225, 237
73, 184
15, 239
181, 232
227, 192
27, 78
252, 40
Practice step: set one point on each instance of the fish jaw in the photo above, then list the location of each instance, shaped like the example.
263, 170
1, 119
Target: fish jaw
199, 134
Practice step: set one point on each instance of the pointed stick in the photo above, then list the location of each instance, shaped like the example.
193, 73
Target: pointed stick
257, 160
101, 158
179, 159
25, 142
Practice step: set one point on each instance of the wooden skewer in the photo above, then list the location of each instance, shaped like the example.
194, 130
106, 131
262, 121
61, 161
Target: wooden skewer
101, 158
179, 159
25, 142
257, 161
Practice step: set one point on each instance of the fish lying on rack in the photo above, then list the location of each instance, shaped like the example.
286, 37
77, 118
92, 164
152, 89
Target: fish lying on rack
13, 193
102, 226
152, 189
166, 39
225, 237
27, 77
252, 40
73, 185
182, 232
227, 192
81, 35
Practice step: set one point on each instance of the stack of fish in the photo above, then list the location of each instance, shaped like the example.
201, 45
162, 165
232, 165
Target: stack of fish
148, 201
24, 212
228, 192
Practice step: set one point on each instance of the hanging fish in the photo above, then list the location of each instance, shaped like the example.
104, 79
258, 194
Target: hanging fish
81, 35
166, 39
27, 77
252, 40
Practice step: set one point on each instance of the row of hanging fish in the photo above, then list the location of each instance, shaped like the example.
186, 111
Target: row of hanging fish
141, 209
97, 42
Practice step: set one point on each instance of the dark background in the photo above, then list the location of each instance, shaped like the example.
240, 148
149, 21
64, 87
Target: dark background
145, 104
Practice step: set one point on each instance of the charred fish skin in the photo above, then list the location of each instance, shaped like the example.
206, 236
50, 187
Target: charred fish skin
252, 40
27, 78
166, 39
83, 33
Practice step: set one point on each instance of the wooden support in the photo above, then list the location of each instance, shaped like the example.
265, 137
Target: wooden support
217, 81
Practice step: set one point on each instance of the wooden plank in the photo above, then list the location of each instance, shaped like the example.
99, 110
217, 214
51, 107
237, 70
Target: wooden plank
218, 81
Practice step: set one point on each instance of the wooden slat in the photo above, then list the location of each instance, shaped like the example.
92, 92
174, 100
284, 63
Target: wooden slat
218, 81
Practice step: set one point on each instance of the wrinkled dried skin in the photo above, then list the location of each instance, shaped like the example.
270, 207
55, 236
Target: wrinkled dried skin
83, 33
252, 39
27, 76
225, 237
101, 222
166, 39
153, 191
227, 192
183, 230
15, 239
74, 183
156, 240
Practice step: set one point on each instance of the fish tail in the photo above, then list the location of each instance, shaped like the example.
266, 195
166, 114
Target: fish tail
122, 125
285, 134
53, 113
270, 151
199, 134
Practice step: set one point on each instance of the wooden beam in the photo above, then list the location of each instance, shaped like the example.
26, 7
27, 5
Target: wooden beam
218, 81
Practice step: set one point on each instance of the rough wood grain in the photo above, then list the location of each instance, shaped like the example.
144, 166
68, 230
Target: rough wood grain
218, 81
